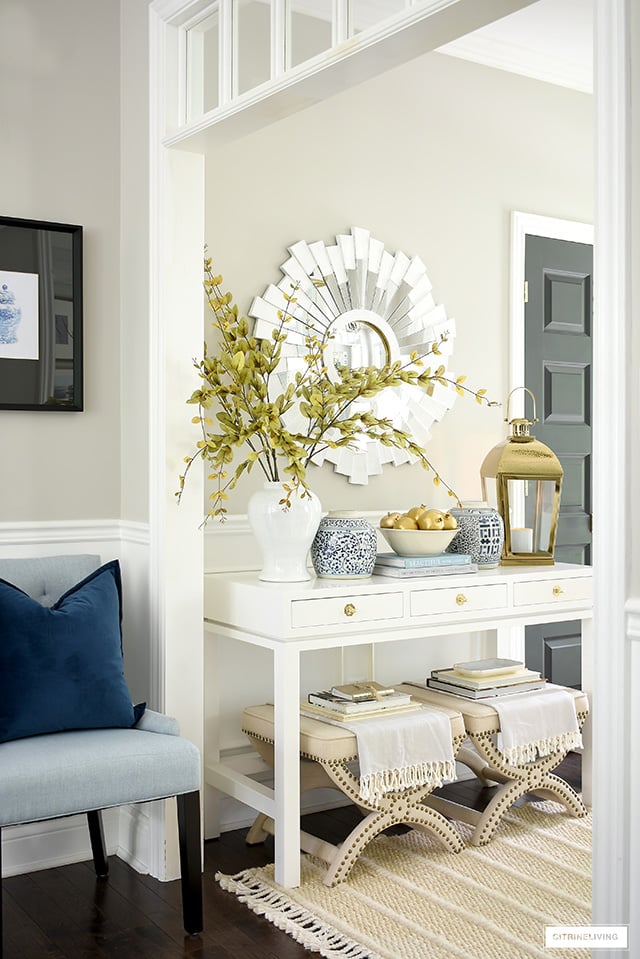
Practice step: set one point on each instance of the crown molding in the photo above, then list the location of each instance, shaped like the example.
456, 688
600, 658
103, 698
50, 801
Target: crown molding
518, 58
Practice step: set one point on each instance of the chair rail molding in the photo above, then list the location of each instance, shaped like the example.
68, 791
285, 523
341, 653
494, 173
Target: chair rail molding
25, 535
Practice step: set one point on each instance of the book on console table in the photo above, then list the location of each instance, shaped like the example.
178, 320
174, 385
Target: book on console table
513, 678
362, 690
321, 712
407, 562
422, 571
328, 700
491, 692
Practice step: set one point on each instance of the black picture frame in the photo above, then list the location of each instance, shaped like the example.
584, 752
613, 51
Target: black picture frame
40, 316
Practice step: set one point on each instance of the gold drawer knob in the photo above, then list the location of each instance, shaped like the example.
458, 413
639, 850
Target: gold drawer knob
557, 591
461, 599
349, 609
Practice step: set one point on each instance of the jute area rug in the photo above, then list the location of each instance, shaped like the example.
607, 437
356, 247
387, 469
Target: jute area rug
409, 898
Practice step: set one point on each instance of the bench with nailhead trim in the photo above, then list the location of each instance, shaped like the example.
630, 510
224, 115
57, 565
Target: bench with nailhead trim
512, 780
327, 754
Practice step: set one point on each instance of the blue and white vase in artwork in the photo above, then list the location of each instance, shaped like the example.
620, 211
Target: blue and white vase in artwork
480, 534
344, 547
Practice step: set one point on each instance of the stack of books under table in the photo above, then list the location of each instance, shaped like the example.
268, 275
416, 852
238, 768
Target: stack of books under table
363, 700
391, 564
486, 679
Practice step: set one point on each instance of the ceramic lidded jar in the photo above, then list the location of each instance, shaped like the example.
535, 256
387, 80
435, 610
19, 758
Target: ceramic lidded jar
283, 535
480, 534
344, 547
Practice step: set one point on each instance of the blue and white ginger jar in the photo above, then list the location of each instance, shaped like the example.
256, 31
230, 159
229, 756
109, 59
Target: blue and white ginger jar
344, 547
480, 534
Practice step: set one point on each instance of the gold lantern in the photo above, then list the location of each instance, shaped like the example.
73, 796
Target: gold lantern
522, 479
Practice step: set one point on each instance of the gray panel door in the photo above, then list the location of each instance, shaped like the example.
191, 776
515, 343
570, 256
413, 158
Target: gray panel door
558, 358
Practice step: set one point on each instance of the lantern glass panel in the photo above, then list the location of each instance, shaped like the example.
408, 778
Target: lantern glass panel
531, 508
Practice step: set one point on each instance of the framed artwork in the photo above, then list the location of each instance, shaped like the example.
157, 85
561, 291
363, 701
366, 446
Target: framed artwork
40, 315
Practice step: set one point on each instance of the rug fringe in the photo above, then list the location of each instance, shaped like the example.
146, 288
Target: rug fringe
296, 921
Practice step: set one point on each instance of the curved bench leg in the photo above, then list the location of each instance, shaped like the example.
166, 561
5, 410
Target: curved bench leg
556, 788
476, 763
257, 833
490, 818
430, 820
353, 845
396, 810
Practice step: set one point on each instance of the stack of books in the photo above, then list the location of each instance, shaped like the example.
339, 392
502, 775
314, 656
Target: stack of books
390, 564
358, 701
486, 679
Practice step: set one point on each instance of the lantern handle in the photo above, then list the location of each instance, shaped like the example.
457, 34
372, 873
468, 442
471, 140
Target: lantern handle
533, 399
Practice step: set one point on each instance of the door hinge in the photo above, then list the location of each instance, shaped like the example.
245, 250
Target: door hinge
526, 291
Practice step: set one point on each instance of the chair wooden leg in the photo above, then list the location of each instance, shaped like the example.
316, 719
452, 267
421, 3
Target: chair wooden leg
190, 861
98, 847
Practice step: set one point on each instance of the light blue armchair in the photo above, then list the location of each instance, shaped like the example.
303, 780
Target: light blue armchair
84, 770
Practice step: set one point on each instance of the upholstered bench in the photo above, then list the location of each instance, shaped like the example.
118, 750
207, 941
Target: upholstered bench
513, 780
326, 753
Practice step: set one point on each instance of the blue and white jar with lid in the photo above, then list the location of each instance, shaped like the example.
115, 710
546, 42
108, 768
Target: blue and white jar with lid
344, 546
480, 534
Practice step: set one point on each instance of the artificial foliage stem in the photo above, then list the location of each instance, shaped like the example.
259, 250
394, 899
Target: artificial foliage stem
238, 383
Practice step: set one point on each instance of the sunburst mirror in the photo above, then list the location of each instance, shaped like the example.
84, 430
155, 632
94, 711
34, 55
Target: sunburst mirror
380, 308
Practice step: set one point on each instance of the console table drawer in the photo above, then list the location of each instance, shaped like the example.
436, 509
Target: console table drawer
536, 593
466, 599
346, 609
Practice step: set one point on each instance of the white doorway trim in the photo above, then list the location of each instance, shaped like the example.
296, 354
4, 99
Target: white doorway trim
617, 833
531, 224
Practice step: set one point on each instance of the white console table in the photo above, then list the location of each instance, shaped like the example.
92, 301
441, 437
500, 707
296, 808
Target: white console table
290, 618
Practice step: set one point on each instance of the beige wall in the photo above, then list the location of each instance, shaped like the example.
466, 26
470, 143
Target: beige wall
134, 260
59, 105
431, 157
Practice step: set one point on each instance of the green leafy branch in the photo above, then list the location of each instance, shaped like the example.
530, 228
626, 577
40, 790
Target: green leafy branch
237, 387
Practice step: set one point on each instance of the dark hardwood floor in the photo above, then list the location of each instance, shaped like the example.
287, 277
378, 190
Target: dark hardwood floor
66, 913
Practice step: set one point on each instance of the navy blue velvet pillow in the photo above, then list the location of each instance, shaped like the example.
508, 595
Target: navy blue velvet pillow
61, 668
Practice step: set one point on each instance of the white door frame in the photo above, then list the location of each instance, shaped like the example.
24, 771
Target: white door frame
616, 844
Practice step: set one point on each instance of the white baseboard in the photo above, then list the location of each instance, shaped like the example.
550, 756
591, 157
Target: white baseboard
58, 842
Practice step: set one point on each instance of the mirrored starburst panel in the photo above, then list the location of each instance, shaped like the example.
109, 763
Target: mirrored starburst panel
379, 307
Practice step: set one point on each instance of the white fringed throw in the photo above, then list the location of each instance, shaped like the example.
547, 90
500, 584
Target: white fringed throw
401, 751
536, 724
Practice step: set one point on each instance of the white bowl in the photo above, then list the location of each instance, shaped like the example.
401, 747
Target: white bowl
418, 542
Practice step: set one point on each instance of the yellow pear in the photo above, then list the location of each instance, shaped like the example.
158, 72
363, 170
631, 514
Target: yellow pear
405, 522
387, 521
450, 522
431, 519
